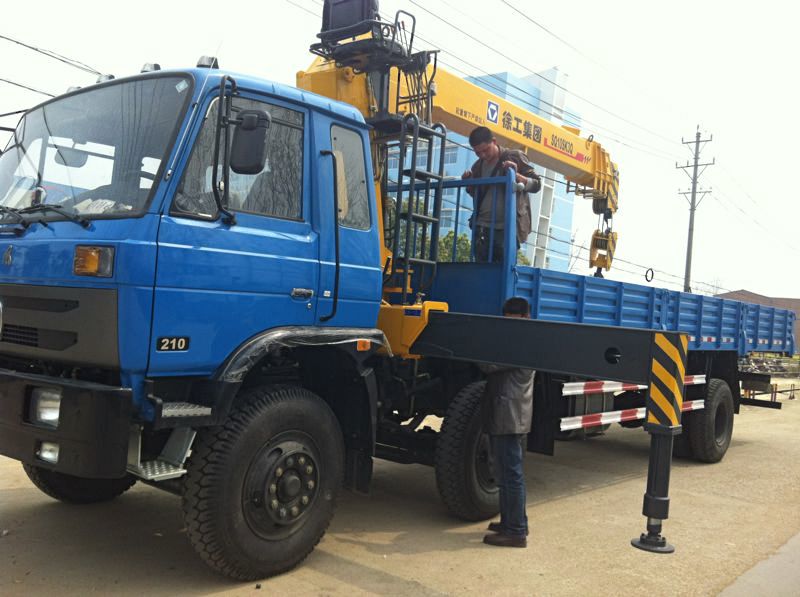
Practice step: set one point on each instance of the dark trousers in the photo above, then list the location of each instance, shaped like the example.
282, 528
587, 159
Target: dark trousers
507, 454
483, 240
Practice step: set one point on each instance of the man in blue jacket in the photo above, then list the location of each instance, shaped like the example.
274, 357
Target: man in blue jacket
507, 411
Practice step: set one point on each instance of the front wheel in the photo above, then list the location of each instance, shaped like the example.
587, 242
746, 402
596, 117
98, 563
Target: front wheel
463, 468
260, 490
77, 490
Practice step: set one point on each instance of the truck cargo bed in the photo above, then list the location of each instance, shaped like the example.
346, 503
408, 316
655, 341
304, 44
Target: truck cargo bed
712, 323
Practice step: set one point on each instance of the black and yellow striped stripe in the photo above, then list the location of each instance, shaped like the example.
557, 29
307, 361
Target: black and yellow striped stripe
667, 373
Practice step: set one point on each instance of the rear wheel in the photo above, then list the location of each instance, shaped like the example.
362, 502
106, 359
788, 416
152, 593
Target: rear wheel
463, 468
77, 490
711, 428
260, 490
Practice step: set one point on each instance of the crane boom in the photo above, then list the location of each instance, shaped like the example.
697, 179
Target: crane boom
371, 65
461, 106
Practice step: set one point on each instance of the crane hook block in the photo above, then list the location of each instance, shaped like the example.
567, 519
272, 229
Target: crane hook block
601, 251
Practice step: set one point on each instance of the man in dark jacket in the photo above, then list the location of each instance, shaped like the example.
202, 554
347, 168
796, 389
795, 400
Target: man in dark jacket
507, 411
493, 160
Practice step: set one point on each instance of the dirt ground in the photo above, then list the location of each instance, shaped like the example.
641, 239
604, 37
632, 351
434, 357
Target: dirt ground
584, 505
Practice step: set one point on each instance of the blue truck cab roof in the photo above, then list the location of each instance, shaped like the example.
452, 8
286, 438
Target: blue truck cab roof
206, 79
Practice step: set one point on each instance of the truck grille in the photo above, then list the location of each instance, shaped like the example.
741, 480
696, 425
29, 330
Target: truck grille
20, 334
59, 324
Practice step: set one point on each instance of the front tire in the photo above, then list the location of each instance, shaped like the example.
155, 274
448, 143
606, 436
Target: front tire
710, 429
260, 490
463, 473
77, 490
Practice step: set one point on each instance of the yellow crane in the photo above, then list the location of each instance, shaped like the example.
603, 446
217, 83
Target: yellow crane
371, 64
460, 106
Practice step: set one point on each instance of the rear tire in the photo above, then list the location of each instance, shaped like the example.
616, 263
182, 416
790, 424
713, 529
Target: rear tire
260, 490
463, 474
77, 490
711, 428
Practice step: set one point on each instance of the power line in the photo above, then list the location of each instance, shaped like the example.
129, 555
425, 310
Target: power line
511, 96
311, 12
591, 103
546, 30
26, 87
50, 54
653, 151
611, 71
633, 263
13, 113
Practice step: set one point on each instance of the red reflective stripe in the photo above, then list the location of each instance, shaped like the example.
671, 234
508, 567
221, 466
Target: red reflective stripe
591, 420
630, 414
593, 386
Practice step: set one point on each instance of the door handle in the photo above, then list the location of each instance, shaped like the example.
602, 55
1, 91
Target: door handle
302, 293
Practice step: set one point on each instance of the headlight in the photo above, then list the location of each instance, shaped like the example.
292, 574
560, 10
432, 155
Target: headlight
45, 407
93, 261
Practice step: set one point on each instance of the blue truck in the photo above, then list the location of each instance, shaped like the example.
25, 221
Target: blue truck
202, 305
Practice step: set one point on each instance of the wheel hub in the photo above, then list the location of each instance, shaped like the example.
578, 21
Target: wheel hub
281, 486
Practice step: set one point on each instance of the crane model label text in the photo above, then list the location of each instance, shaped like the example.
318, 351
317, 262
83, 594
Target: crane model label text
561, 144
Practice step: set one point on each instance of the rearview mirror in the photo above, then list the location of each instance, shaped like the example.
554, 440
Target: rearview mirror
249, 147
70, 157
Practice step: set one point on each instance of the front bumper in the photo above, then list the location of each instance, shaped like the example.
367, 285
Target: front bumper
92, 432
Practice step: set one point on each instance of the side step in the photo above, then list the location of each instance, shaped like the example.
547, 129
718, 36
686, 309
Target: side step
184, 409
157, 470
168, 464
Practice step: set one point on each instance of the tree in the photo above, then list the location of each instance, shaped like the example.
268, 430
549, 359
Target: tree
463, 248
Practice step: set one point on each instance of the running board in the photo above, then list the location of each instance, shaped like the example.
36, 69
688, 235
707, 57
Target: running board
168, 464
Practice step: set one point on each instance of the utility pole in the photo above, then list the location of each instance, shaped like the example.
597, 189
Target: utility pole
694, 192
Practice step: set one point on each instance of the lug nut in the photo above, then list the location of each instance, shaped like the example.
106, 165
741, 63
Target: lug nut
290, 462
301, 460
295, 510
273, 488
310, 484
274, 504
304, 500
309, 469
282, 513
278, 472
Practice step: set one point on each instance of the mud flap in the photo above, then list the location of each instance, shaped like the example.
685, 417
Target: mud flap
546, 395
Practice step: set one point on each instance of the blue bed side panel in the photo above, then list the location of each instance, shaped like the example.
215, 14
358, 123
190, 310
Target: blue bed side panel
712, 323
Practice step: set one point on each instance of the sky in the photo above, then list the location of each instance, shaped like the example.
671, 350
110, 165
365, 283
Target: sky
643, 76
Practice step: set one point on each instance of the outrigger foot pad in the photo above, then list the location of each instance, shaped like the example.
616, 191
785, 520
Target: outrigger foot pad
653, 542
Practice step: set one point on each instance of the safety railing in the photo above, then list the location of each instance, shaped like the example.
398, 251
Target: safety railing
461, 247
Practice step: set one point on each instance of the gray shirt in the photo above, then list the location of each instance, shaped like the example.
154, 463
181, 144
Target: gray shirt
507, 407
484, 217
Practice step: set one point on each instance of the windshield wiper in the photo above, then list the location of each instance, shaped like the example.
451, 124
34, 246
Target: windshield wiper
14, 212
72, 216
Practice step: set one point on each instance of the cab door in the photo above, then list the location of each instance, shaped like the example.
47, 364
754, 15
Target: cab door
218, 285
347, 209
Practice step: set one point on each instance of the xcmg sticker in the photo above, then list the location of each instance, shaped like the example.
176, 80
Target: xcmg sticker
492, 112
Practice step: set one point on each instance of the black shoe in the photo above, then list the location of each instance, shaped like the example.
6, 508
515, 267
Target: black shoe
503, 540
496, 527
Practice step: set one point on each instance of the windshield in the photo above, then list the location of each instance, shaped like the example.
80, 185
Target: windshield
94, 154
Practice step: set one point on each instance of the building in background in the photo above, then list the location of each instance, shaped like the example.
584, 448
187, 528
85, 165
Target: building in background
549, 244
543, 94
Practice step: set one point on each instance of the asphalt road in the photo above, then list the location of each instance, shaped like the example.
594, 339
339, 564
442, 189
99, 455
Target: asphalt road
584, 505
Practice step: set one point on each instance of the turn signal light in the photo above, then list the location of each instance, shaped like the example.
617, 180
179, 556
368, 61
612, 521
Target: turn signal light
93, 261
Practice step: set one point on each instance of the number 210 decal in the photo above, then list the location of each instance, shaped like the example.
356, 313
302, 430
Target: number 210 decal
172, 344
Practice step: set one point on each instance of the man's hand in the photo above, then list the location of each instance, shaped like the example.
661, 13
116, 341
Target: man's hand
467, 174
510, 164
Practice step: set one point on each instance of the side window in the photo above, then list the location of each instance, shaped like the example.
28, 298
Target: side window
349, 147
276, 191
